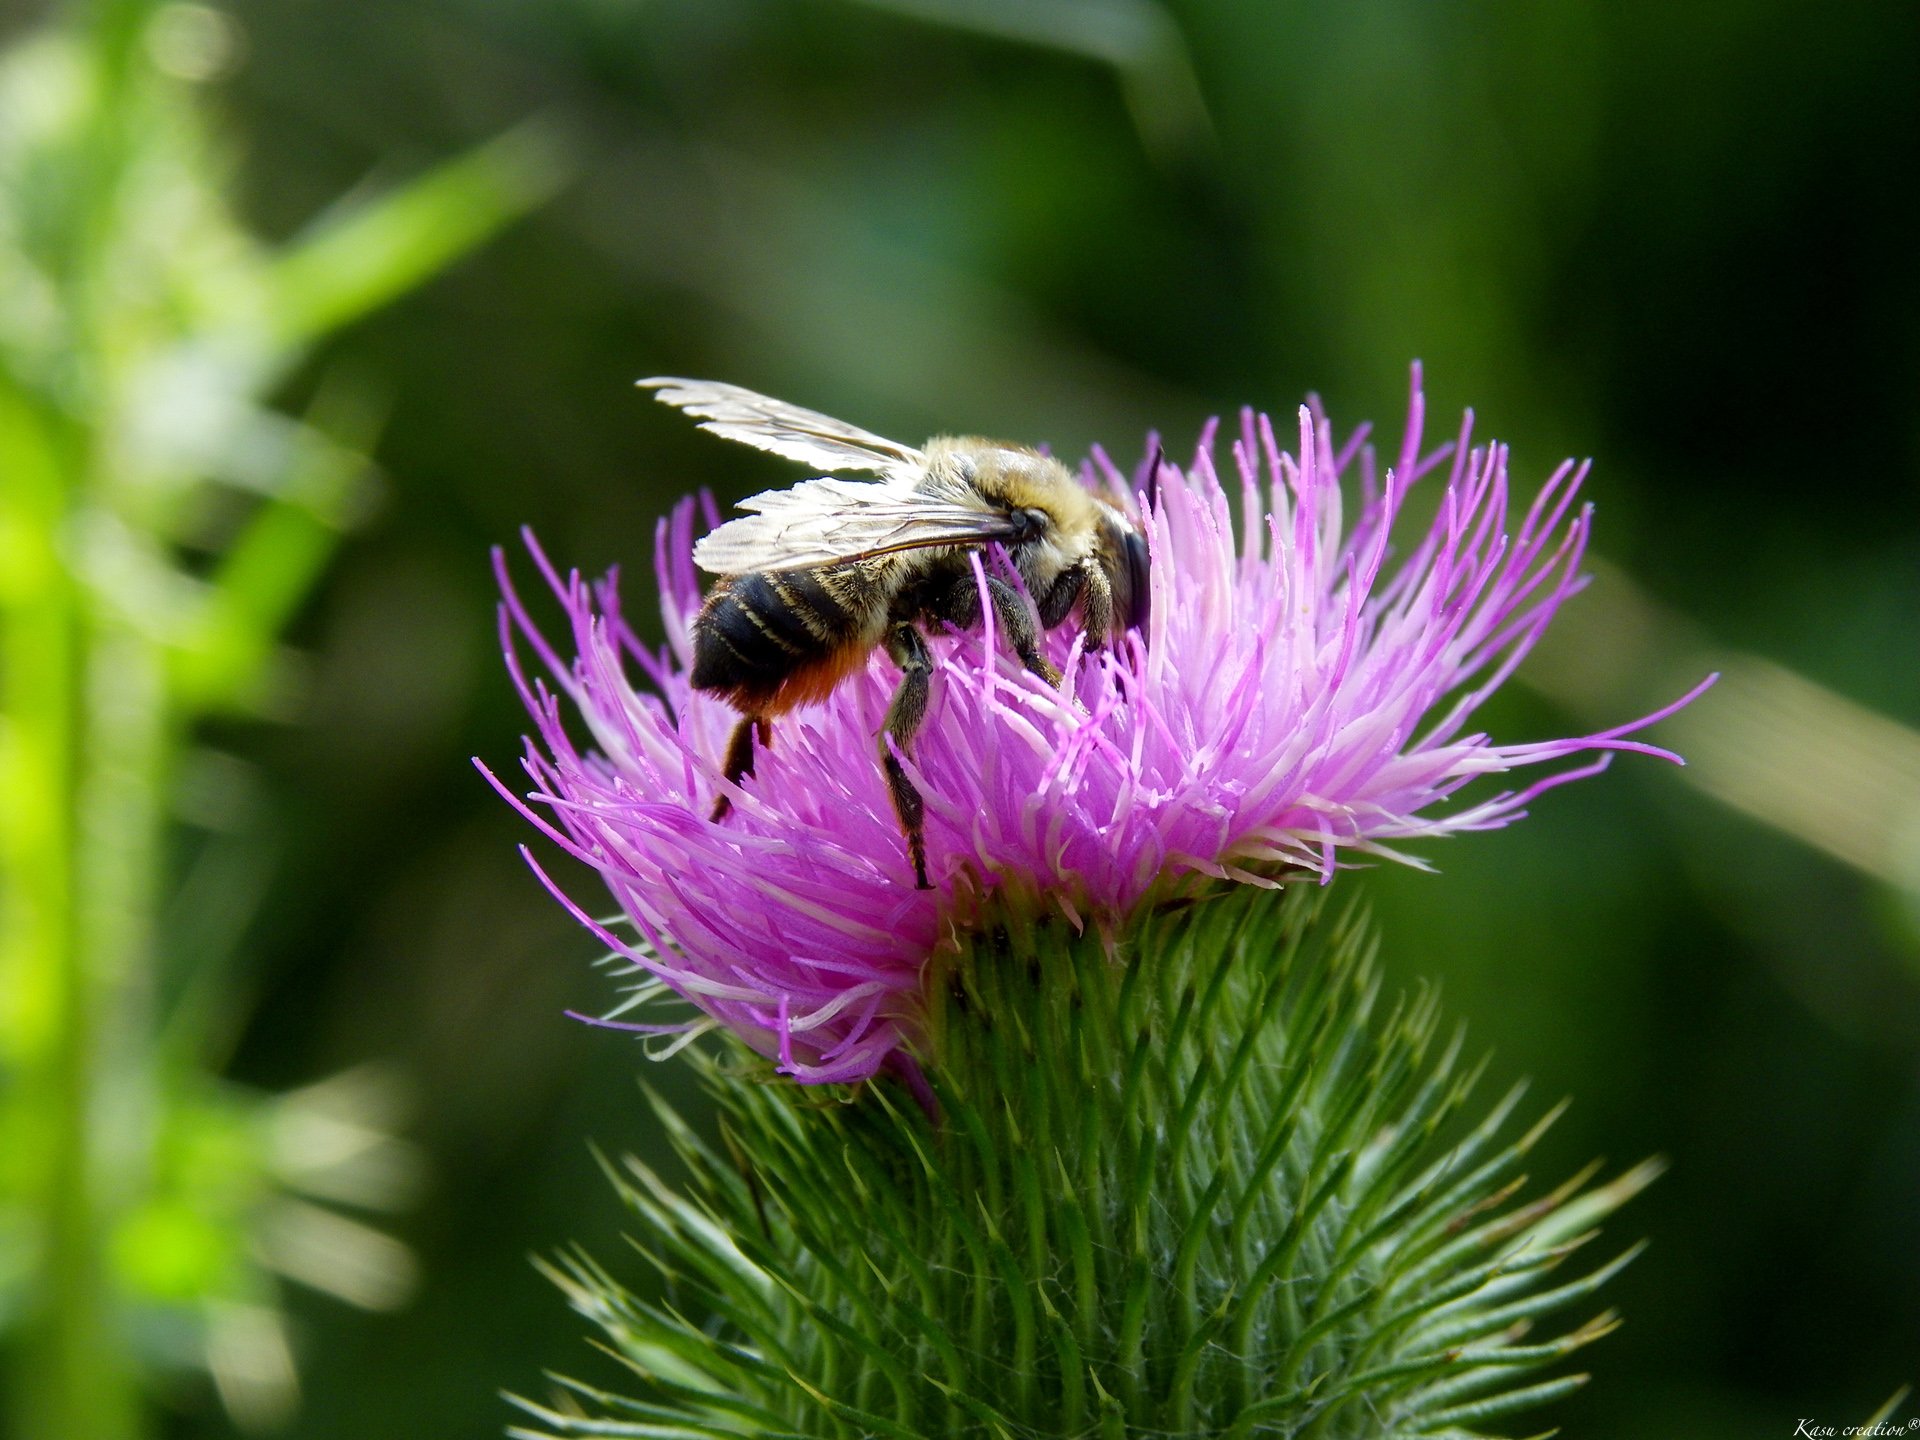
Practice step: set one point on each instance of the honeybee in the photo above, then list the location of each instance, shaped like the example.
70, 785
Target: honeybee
817, 575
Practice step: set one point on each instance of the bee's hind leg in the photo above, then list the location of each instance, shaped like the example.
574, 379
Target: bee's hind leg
909, 708
739, 763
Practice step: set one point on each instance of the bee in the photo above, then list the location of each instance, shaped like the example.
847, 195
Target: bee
816, 576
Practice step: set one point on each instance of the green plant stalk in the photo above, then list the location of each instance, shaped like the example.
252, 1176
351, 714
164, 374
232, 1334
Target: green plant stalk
1190, 1179
85, 1376
75, 895
123, 1230
90, 722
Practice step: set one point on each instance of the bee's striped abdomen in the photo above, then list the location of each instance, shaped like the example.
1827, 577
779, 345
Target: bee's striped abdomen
810, 598
774, 640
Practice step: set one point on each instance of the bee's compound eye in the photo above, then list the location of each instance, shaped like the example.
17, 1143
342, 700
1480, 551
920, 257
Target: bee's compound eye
1029, 525
1139, 583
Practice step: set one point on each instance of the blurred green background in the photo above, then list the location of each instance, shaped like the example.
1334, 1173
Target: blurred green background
1679, 238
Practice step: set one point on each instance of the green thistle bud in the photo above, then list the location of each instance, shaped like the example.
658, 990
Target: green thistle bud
1189, 1181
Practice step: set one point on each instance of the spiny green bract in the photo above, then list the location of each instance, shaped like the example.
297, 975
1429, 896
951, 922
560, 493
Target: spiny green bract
1186, 1184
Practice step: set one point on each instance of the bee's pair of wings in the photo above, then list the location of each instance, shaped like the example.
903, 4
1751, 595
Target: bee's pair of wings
825, 521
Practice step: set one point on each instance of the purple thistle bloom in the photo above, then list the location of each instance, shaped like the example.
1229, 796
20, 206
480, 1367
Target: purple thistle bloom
1297, 699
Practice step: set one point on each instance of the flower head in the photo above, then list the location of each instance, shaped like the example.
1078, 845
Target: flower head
1303, 696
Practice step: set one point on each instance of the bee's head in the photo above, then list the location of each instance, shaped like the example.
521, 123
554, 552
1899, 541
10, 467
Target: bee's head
1059, 525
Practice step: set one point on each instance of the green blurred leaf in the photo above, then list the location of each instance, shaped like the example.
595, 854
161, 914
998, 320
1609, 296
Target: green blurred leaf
272, 564
358, 259
170, 1251
1886, 1411
1139, 39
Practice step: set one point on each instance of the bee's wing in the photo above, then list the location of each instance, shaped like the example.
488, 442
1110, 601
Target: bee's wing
823, 522
769, 424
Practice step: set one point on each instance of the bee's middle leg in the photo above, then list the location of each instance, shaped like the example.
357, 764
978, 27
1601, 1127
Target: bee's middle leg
909, 651
960, 603
739, 762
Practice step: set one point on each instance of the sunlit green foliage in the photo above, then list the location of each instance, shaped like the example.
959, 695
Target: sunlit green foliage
1192, 1185
159, 522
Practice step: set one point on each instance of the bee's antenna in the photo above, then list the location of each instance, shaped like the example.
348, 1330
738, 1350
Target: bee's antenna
1152, 486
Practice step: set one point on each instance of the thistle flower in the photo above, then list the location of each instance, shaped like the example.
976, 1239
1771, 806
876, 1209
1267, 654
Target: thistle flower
1170, 1174
1302, 698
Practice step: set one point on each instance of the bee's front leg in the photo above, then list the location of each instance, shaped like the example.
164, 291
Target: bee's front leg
1087, 584
739, 762
909, 708
960, 603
